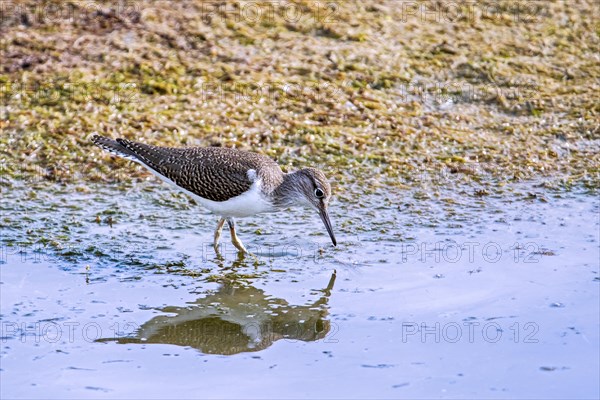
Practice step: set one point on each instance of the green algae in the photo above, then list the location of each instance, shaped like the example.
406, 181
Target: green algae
361, 91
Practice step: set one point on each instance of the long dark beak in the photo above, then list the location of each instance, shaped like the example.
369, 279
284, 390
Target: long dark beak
325, 217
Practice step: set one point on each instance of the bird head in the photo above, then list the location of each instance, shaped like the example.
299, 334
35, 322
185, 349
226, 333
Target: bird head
315, 192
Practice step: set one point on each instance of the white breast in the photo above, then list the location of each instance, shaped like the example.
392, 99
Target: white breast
248, 203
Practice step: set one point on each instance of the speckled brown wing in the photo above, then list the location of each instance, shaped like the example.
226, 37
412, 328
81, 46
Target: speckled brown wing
213, 173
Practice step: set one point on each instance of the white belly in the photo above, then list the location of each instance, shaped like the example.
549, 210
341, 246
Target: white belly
248, 203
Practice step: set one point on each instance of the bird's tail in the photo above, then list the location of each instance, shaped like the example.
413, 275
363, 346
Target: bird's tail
114, 147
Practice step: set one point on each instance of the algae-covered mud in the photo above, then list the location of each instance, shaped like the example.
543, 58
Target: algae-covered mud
462, 143
389, 89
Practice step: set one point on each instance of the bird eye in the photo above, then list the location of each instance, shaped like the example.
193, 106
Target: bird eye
319, 193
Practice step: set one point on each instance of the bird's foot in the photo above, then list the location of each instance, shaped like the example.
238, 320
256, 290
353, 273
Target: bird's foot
218, 234
237, 242
234, 238
242, 250
239, 245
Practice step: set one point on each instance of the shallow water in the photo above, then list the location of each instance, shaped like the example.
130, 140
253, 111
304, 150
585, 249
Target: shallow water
109, 293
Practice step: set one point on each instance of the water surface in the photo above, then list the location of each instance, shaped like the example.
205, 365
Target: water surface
109, 293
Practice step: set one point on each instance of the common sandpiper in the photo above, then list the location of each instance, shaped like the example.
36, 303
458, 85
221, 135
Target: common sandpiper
231, 183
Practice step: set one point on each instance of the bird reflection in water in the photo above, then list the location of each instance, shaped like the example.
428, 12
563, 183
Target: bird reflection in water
236, 319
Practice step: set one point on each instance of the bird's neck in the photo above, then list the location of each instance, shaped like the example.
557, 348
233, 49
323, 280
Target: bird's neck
288, 193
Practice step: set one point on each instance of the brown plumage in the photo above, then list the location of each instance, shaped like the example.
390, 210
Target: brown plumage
213, 173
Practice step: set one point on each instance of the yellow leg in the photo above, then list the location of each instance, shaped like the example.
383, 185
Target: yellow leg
234, 238
218, 233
